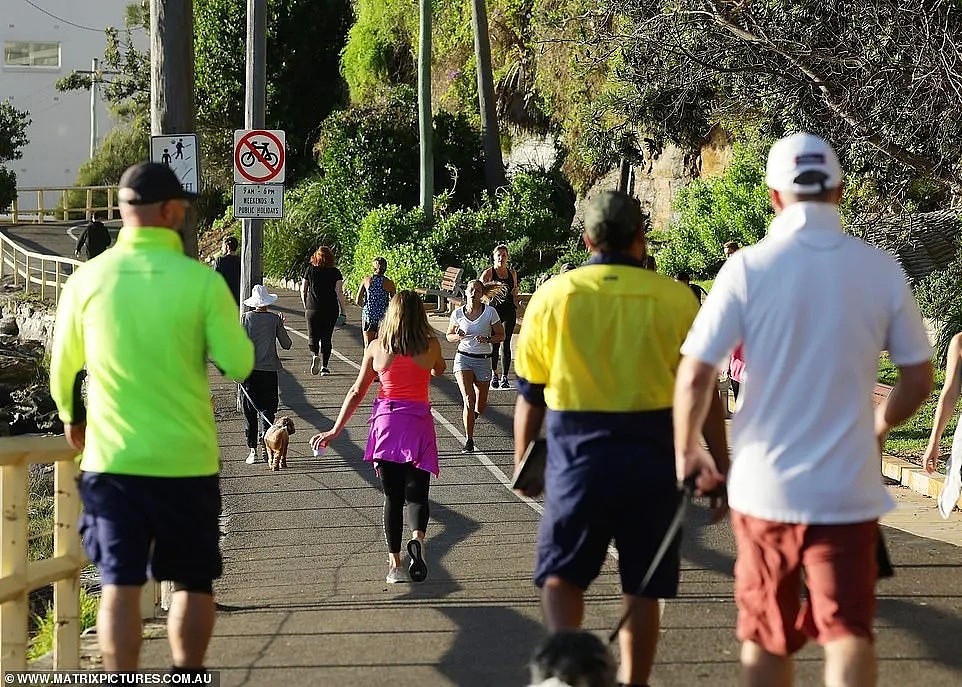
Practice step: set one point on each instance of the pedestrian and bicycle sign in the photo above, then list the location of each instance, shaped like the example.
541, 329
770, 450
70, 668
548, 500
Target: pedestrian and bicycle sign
259, 156
181, 153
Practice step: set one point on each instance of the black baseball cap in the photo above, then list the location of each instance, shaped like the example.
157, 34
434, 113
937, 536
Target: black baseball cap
151, 182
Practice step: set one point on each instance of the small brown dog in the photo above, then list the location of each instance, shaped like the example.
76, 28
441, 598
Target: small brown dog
276, 440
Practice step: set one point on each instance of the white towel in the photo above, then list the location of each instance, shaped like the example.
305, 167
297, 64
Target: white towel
952, 488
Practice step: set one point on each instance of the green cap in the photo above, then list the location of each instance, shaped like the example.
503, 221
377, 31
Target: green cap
613, 220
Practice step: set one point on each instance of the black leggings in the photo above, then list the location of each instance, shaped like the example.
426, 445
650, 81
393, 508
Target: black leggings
262, 387
402, 482
510, 320
320, 328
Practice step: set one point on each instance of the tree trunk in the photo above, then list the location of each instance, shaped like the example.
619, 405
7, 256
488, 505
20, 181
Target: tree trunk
493, 165
172, 80
425, 115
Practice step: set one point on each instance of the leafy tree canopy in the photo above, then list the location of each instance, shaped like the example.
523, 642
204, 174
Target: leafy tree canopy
878, 79
303, 47
13, 131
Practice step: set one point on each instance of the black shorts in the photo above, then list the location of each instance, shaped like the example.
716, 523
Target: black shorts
610, 477
164, 527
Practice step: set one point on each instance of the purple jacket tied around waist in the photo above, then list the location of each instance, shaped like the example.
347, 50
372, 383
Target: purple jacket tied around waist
403, 432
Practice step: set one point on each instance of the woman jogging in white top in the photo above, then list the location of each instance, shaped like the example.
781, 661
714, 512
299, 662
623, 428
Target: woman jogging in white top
474, 327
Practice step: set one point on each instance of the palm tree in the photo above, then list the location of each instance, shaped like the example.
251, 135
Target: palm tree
424, 114
493, 165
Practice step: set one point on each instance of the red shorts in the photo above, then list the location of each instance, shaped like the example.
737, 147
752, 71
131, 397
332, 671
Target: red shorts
840, 568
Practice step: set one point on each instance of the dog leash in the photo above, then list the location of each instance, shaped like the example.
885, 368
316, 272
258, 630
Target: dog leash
687, 493
254, 406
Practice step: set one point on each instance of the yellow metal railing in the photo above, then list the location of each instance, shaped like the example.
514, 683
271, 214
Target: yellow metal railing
44, 274
18, 575
64, 208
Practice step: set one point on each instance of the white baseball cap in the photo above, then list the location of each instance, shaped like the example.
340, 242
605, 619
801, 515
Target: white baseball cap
802, 163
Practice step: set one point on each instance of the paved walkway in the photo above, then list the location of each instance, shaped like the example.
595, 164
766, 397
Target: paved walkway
303, 599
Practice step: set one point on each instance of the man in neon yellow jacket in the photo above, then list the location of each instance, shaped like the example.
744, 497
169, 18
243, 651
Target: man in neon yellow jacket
143, 319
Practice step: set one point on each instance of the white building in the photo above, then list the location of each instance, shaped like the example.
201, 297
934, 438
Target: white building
43, 41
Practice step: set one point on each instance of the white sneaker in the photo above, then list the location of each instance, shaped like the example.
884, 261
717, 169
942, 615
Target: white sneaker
315, 364
252, 457
395, 575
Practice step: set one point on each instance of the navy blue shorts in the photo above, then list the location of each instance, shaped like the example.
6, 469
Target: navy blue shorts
164, 527
609, 477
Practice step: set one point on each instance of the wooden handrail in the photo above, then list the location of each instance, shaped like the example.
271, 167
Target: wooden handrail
35, 269
18, 575
62, 193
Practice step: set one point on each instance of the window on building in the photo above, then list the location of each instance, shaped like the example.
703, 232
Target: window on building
30, 54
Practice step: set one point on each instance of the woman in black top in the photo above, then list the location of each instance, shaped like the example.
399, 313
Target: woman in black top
507, 309
323, 299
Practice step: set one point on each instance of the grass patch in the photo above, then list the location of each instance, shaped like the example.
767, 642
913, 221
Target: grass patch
40, 509
908, 441
44, 625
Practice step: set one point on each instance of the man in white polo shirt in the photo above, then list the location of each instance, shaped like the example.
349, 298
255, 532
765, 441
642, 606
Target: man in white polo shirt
813, 307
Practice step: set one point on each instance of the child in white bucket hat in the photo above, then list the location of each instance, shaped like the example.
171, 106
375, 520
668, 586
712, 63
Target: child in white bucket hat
260, 389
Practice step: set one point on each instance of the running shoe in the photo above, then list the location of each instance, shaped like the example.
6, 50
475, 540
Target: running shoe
417, 569
252, 457
494, 382
315, 364
505, 384
325, 372
395, 575
468, 446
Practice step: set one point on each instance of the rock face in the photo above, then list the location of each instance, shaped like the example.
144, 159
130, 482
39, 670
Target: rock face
26, 328
25, 403
656, 182
33, 319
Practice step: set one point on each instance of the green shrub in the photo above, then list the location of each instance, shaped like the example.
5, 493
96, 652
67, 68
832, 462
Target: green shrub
709, 212
42, 642
379, 49
312, 219
939, 296
532, 216
399, 236
8, 188
124, 146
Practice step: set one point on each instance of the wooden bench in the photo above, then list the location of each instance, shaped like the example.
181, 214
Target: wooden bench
880, 393
451, 289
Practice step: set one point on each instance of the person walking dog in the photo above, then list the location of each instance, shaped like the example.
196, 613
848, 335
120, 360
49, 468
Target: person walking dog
260, 397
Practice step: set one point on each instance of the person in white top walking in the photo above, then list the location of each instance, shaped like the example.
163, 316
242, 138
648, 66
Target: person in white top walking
474, 327
812, 307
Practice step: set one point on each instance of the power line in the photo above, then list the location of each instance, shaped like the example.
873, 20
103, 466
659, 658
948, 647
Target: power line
61, 19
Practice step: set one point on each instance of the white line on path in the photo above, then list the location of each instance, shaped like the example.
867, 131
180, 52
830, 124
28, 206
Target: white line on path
454, 432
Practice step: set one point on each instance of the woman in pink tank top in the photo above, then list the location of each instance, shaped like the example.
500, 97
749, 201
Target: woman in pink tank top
401, 443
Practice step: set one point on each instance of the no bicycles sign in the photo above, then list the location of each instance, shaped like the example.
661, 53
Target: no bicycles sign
259, 156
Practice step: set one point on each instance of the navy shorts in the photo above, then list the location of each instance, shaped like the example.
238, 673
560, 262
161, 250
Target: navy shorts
609, 477
164, 527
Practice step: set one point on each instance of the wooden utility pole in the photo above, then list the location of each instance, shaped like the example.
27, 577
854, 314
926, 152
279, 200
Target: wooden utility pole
252, 230
490, 132
172, 80
425, 115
